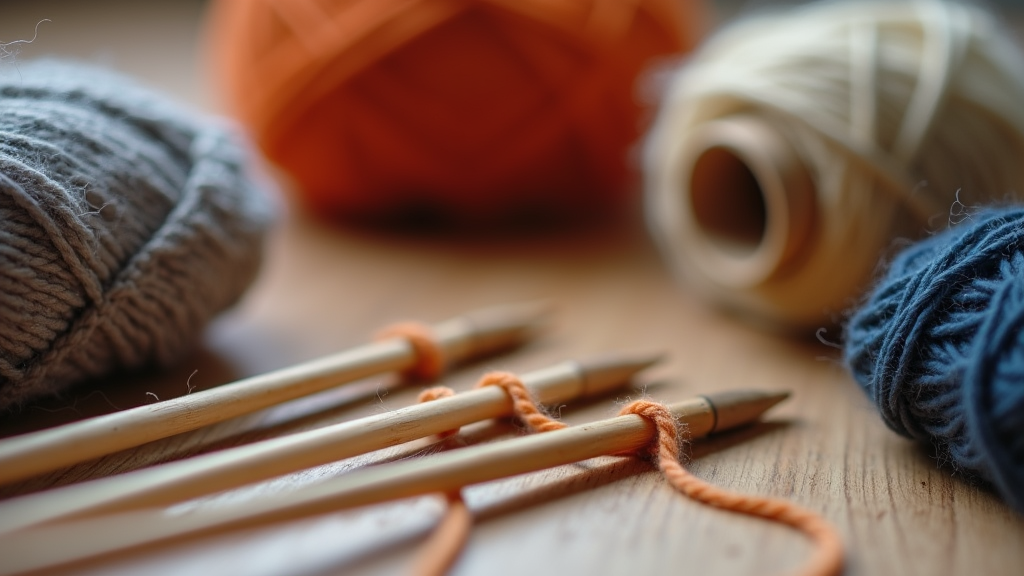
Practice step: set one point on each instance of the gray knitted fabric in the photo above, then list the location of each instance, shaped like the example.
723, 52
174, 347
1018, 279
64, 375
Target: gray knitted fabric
126, 223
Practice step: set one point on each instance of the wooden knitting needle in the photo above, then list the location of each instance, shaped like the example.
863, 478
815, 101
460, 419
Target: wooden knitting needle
477, 333
35, 548
177, 481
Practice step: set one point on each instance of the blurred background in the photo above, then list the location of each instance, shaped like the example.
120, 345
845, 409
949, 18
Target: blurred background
325, 287
166, 39
166, 43
166, 36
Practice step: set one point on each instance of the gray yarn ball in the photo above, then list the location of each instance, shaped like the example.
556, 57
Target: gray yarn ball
126, 223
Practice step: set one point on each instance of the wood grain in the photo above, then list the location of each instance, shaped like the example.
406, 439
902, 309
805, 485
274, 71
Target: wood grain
325, 288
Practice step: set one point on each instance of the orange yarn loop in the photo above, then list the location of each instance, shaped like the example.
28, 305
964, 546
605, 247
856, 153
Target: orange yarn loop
453, 532
828, 557
473, 110
430, 362
450, 537
436, 393
523, 405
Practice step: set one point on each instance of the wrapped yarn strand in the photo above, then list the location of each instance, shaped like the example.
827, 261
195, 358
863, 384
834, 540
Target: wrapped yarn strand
795, 145
126, 223
939, 347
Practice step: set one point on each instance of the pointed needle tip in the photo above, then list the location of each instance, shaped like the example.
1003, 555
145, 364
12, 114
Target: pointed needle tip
738, 407
497, 328
641, 362
767, 399
615, 370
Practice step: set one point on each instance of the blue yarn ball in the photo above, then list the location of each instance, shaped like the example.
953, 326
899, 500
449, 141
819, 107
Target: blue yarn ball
939, 347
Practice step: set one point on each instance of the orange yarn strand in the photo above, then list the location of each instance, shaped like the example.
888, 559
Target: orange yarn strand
430, 358
523, 404
450, 537
446, 543
448, 540
436, 393
827, 559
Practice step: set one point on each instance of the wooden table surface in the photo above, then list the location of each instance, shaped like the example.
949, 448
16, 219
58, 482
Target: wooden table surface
327, 288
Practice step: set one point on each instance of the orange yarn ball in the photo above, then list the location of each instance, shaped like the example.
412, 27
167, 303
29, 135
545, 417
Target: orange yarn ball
472, 110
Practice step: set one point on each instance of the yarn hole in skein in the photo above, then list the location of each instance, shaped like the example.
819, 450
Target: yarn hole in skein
862, 121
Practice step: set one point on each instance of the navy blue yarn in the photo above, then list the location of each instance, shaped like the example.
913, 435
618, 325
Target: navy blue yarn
939, 347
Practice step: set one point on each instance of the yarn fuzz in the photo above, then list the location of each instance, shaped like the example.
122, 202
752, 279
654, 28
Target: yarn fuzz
939, 347
125, 224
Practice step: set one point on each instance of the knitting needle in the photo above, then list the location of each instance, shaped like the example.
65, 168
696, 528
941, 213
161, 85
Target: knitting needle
477, 333
34, 549
177, 481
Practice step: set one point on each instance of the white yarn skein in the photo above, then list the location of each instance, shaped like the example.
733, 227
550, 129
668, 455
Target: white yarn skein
795, 146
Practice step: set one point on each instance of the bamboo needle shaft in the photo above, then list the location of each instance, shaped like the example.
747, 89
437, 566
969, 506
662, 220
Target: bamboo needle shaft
33, 549
177, 481
471, 335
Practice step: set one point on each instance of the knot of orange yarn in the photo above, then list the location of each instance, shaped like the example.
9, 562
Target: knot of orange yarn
828, 556
440, 552
430, 362
666, 441
523, 405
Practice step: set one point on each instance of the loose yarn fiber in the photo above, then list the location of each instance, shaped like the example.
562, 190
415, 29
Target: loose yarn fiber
125, 224
939, 347
468, 112
796, 145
